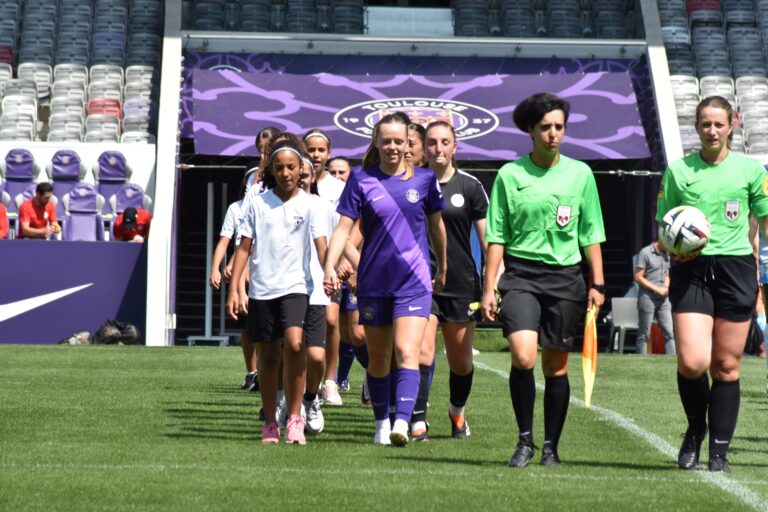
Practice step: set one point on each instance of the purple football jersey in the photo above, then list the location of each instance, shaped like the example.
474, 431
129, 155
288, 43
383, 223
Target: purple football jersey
395, 255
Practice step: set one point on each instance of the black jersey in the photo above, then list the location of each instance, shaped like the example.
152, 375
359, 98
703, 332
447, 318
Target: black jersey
465, 202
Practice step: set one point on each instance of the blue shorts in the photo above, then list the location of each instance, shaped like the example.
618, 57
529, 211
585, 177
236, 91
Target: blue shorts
380, 311
348, 300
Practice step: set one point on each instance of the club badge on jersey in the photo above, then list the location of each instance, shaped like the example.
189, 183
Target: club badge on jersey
368, 313
412, 195
732, 209
563, 215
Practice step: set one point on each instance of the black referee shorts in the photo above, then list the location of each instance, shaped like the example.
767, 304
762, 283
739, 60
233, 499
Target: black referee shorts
314, 326
543, 298
719, 286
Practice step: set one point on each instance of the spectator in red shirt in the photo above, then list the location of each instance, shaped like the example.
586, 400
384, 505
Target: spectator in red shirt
3, 222
37, 216
132, 225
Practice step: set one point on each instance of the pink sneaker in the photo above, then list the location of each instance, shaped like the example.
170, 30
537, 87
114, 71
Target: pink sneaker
294, 433
270, 433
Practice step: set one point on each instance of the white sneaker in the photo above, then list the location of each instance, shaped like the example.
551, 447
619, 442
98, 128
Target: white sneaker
399, 434
382, 434
315, 420
282, 413
330, 393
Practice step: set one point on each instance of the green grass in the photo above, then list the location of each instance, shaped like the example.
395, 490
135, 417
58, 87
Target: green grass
133, 428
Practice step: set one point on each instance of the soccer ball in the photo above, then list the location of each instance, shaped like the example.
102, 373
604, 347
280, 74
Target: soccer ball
684, 230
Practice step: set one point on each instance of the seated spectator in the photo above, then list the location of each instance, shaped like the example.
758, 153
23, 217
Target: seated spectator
3, 222
132, 225
37, 216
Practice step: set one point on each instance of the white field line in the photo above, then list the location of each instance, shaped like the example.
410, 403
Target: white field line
720, 480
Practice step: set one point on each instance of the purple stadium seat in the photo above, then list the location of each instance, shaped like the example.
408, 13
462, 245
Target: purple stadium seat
65, 173
128, 195
111, 173
19, 173
83, 221
25, 195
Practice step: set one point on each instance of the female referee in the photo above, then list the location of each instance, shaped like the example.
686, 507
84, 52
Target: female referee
713, 295
399, 205
543, 207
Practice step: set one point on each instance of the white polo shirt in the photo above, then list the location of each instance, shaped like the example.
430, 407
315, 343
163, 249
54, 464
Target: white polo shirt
330, 188
282, 233
232, 221
326, 215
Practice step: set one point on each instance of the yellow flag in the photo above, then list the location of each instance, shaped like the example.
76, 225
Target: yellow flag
589, 354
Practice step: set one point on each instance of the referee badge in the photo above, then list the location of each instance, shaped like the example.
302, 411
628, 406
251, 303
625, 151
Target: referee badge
563, 215
732, 210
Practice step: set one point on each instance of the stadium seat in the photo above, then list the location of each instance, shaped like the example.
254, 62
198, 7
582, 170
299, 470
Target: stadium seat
129, 195
18, 171
624, 318
38, 73
83, 220
716, 85
59, 135
71, 72
111, 172
137, 138
64, 171
106, 73
27, 193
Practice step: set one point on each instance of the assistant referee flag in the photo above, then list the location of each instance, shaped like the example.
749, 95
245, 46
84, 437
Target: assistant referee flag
589, 354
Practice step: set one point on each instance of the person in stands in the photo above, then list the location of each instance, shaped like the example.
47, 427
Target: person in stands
132, 225
37, 216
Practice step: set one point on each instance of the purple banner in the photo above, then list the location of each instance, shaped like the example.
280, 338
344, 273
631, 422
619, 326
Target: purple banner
50, 290
228, 106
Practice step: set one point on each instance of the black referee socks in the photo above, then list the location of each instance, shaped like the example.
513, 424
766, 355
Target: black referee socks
522, 390
557, 394
694, 394
460, 386
723, 412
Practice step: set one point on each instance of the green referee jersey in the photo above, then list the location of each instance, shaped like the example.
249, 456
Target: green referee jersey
724, 192
545, 214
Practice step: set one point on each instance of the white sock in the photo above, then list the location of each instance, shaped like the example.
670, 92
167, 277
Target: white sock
455, 411
280, 395
382, 425
400, 426
419, 425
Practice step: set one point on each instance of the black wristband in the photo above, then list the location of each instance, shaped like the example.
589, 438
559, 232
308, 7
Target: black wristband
599, 287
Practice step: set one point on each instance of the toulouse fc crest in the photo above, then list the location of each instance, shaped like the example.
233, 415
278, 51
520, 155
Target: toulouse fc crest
563, 215
469, 121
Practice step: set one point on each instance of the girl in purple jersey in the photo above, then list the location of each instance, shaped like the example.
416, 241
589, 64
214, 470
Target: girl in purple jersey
398, 206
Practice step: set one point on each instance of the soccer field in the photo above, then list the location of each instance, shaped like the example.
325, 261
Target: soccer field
134, 428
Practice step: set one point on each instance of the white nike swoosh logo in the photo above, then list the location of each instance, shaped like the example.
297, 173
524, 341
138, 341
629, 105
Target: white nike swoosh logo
377, 198
414, 308
717, 441
12, 309
403, 399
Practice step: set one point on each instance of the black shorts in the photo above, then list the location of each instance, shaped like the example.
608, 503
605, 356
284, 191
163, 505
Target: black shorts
314, 326
543, 298
268, 319
242, 321
719, 286
452, 309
